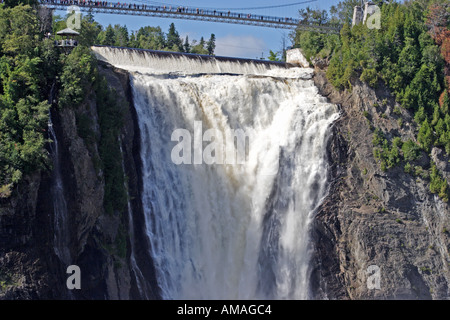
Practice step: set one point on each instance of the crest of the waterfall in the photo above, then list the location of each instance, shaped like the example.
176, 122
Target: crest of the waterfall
161, 62
232, 231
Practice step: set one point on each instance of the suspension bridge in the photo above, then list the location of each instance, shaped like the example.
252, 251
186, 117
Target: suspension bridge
189, 13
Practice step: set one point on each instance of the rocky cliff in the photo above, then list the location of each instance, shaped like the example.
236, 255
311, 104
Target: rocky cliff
103, 245
385, 219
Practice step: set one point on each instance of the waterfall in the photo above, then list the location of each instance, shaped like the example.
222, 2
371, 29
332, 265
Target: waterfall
61, 238
172, 62
223, 229
139, 277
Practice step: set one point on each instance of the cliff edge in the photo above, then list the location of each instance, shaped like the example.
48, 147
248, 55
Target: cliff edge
378, 234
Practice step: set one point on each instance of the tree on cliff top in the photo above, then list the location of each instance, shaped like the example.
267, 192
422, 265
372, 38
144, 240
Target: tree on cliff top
24, 58
211, 44
13, 3
173, 41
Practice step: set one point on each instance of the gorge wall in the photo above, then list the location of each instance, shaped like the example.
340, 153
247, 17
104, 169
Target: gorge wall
101, 244
388, 219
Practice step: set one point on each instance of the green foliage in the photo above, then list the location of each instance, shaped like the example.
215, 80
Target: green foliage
401, 53
273, 56
23, 92
77, 76
186, 45
405, 57
421, 172
148, 37
109, 108
89, 31
425, 136
411, 150
388, 155
13, 3
408, 168
378, 137
438, 184
106, 37
173, 41
370, 76
211, 44
200, 47
366, 114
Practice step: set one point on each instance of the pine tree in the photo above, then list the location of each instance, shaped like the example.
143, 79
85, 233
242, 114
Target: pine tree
186, 46
108, 38
211, 45
425, 136
273, 56
202, 42
173, 39
121, 36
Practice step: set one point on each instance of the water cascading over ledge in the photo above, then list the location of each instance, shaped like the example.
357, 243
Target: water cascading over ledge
163, 62
229, 231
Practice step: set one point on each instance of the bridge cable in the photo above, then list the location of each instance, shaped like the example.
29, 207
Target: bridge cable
233, 9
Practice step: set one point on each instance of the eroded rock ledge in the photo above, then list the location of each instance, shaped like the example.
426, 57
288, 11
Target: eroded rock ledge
370, 217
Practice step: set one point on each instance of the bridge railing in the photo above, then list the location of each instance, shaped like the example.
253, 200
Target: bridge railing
191, 13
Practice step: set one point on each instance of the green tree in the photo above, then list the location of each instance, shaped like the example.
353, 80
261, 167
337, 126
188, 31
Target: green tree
23, 94
411, 150
273, 56
107, 37
173, 41
211, 44
409, 59
425, 136
121, 37
77, 76
150, 38
186, 45
89, 31
13, 3
200, 47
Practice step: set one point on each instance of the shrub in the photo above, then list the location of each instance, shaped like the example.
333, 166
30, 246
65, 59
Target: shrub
411, 151
408, 168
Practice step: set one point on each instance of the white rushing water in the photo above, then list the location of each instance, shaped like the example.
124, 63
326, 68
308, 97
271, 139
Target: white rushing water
232, 231
173, 63
60, 213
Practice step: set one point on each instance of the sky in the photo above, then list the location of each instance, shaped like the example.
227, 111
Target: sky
232, 40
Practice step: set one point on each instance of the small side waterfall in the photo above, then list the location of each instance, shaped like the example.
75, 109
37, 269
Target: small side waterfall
61, 238
139, 277
62, 235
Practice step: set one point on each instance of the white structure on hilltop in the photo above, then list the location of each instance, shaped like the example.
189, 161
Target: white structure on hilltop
360, 14
357, 15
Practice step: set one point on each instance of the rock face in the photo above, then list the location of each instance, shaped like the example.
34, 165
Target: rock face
376, 225
102, 245
296, 57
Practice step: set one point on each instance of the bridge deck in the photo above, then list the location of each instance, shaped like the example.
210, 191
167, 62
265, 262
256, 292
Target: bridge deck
189, 13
